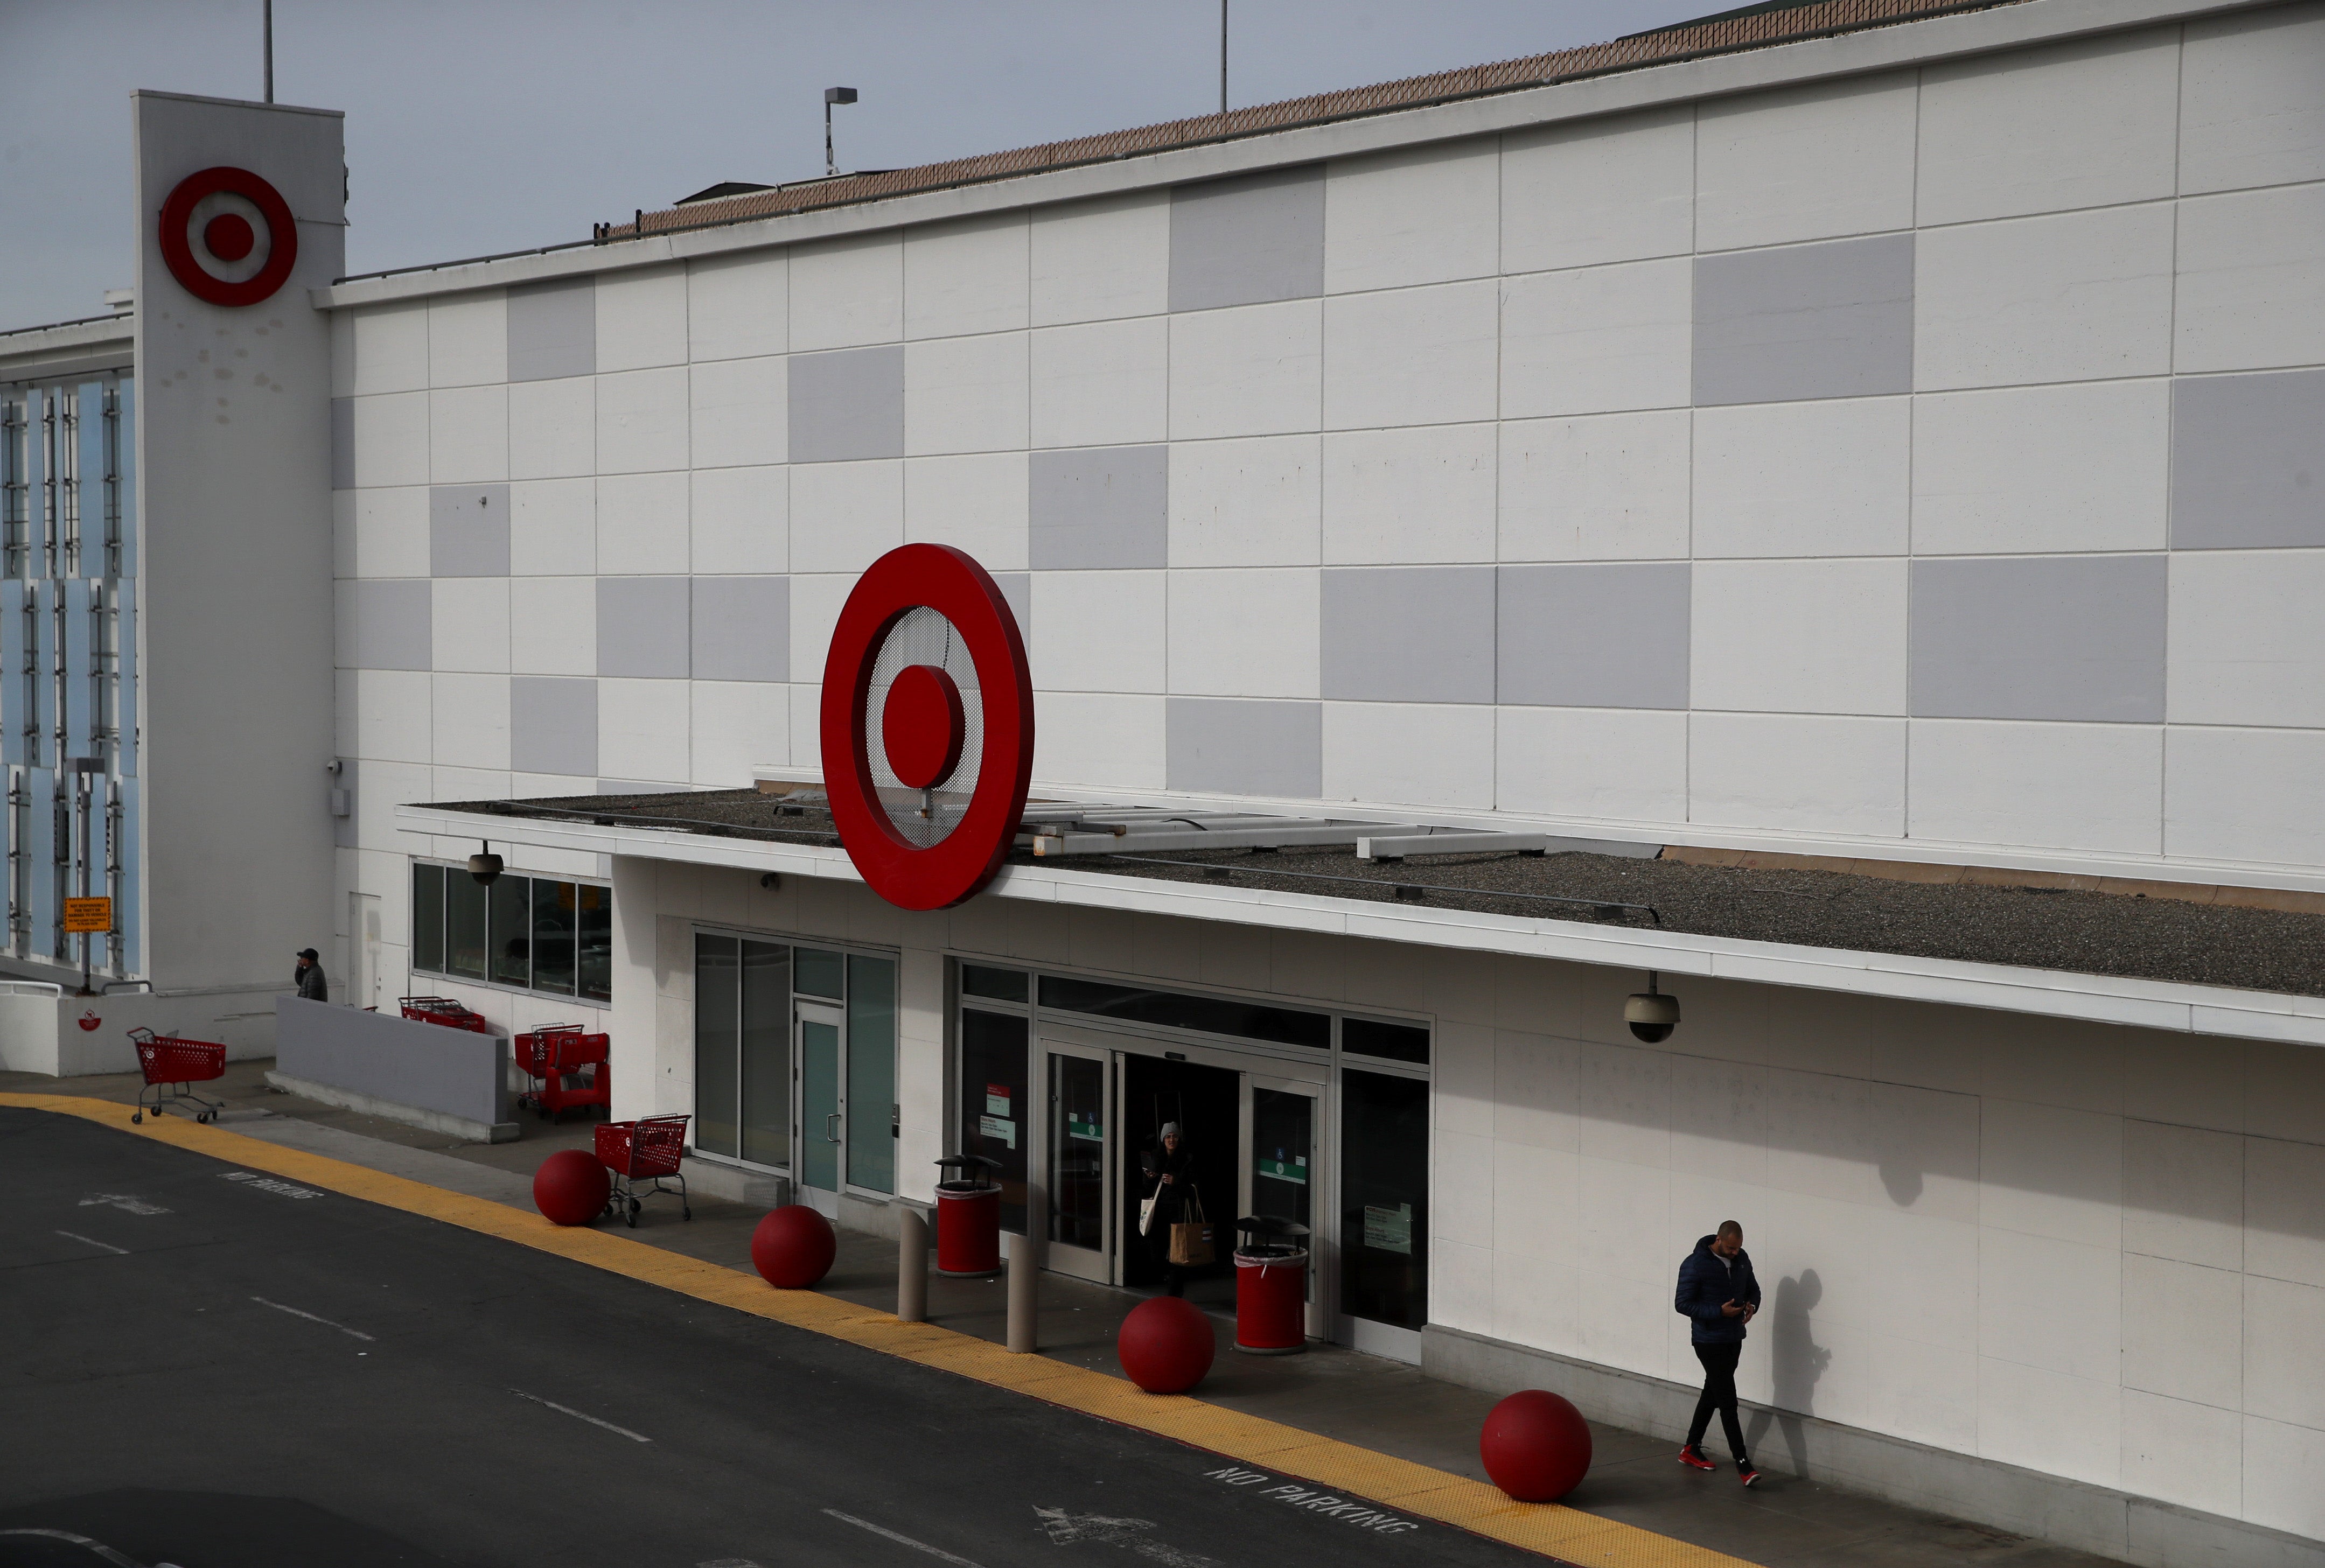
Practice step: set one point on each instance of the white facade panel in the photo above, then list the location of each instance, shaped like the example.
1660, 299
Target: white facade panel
1597, 340
847, 292
965, 394
2090, 786
2038, 469
1608, 487
552, 625
553, 528
975, 502
2252, 277
1808, 636
1108, 741
390, 350
844, 516
645, 731
738, 412
735, 727
470, 717
1249, 502
552, 428
1826, 478
1409, 754
467, 435
1244, 632
966, 277
1427, 215
470, 624
1409, 495
2078, 297
642, 421
641, 525
1411, 356
1807, 773
1254, 371
1095, 261
1806, 163
1104, 384
1604, 764
740, 520
468, 339
2243, 644
1618, 189
390, 529
2103, 112
1098, 631
738, 306
642, 319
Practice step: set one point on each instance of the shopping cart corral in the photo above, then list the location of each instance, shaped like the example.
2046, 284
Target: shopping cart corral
171, 1065
646, 1150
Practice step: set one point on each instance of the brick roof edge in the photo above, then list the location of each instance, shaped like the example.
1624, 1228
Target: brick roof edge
1667, 46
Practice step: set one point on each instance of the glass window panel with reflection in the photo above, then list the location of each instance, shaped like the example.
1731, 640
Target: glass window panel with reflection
872, 1111
554, 913
593, 936
767, 1053
466, 943
994, 1116
428, 918
511, 930
1385, 1198
718, 1017
818, 972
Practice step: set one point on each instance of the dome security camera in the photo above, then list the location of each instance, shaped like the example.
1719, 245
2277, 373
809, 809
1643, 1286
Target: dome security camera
1652, 1014
485, 867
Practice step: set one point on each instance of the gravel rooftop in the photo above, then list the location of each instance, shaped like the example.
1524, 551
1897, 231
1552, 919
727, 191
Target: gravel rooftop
2084, 933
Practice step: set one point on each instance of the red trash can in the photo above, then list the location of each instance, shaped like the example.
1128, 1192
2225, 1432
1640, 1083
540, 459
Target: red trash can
969, 1218
1271, 1288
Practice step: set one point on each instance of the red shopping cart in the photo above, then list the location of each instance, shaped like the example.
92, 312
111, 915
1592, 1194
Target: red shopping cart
645, 1151
571, 1054
171, 1065
531, 1051
447, 1010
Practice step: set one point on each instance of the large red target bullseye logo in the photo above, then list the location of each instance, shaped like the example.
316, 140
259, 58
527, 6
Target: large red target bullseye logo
207, 238
928, 727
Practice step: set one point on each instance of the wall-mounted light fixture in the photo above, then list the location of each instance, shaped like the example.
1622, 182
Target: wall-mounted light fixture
485, 867
1652, 1014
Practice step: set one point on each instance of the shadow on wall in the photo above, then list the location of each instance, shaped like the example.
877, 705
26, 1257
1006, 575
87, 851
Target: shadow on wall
1796, 1363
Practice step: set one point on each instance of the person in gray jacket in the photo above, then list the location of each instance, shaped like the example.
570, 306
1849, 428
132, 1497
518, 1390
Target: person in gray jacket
309, 976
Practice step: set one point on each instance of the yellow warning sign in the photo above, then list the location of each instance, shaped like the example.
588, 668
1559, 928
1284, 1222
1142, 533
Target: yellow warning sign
89, 915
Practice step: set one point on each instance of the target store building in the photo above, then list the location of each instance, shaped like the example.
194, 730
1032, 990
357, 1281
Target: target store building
1720, 626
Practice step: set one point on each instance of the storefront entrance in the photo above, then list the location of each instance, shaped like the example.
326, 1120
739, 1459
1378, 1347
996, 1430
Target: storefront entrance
1251, 1126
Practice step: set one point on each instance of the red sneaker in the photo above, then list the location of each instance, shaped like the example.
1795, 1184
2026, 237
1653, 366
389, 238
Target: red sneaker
1692, 1457
1747, 1472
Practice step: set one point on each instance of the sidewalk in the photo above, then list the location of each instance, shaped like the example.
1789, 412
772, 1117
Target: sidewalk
1378, 1404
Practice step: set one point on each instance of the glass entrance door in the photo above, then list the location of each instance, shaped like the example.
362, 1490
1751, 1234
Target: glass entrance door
822, 1132
1078, 1161
1283, 1170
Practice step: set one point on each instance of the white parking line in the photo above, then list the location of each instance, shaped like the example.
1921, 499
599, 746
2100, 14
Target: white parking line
579, 1416
93, 1241
936, 1552
310, 1317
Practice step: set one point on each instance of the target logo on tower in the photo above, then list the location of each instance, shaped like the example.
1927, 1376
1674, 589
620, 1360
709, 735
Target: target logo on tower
229, 237
928, 727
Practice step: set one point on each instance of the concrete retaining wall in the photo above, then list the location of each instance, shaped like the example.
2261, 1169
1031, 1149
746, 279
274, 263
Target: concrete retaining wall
65, 1036
425, 1074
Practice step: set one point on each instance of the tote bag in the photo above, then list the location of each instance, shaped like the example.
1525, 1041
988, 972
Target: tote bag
1190, 1237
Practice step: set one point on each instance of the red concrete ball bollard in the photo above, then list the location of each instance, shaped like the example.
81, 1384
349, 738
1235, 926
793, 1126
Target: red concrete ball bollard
572, 1187
1166, 1345
1536, 1446
793, 1247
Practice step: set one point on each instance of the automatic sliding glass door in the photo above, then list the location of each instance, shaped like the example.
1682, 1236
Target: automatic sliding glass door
1080, 1164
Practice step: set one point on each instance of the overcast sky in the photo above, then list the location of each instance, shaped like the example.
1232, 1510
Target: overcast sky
483, 126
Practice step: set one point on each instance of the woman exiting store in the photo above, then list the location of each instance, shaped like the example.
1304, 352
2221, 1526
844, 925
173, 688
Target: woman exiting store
1171, 1198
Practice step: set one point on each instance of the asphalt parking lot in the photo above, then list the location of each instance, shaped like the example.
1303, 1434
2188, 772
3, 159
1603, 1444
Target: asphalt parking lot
214, 1368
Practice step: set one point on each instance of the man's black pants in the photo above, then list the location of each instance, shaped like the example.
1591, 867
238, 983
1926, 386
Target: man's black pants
1719, 1394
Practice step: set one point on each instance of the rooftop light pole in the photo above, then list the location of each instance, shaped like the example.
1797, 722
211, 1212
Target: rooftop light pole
1223, 56
266, 30
832, 95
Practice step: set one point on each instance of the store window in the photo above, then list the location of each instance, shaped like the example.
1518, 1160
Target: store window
995, 1117
748, 995
537, 934
1385, 1198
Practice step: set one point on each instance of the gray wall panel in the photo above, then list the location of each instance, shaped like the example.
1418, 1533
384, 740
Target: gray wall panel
1235, 747
1409, 633
1099, 508
343, 443
1017, 588
1590, 635
552, 330
642, 627
1248, 240
1828, 320
468, 531
425, 1066
2039, 636
2245, 466
553, 724
392, 624
742, 628
847, 405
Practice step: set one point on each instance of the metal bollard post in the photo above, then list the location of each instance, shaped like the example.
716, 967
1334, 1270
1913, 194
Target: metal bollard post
912, 1266
1023, 1303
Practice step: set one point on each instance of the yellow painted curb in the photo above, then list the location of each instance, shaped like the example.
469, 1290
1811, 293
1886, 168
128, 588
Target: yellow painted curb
1417, 1490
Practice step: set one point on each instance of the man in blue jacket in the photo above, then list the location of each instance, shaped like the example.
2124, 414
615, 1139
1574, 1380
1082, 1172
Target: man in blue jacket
1718, 1296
